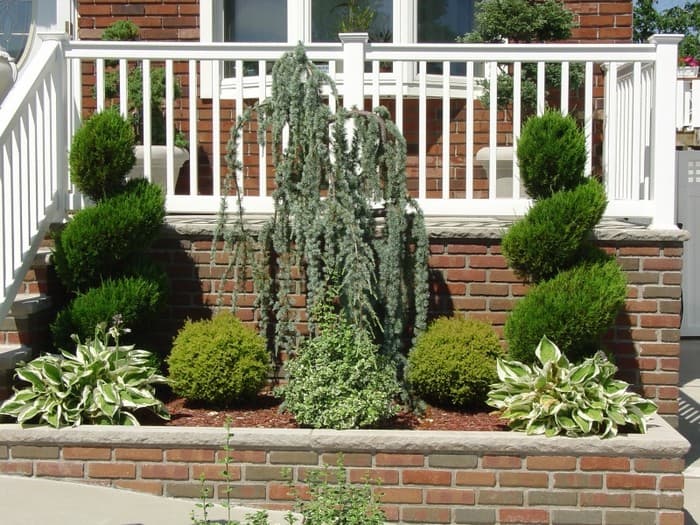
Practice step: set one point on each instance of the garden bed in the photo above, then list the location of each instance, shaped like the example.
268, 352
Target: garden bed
427, 476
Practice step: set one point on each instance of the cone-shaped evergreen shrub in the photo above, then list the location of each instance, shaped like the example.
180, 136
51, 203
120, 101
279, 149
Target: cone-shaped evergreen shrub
575, 308
219, 361
98, 241
453, 362
555, 234
136, 298
101, 155
552, 154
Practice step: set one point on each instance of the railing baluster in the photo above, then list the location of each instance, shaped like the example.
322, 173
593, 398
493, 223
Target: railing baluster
123, 87
540, 87
493, 128
216, 127
194, 164
446, 118
100, 83
564, 95
147, 124
375, 83
469, 127
169, 129
517, 123
262, 151
239, 112
588, 117
398, 76
422, 124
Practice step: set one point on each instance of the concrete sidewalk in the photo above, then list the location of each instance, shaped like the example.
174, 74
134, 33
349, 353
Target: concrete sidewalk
33, 501
689, 425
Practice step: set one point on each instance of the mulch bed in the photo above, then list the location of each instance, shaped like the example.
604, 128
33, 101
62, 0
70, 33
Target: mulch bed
264, 412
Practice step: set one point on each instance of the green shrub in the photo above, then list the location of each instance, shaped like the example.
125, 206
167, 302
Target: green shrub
101, 155
219, 361
552, 154
121, 30
574, 308
137, 298
339, 379
558, 398
554, 235
454, 361
99, 240
101, 384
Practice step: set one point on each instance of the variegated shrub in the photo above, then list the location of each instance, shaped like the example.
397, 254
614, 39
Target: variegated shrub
99, 384
557, 397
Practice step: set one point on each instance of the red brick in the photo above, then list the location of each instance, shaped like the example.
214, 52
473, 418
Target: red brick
476, 479
61, 469
190, 455
149, 487
426, 477
630, 481
447, 261
523, 516
671, 518
501, 462
551, 463
399, 460
279, 491
450, 497
604, 463
215, 472
571, 480
425, 515
400, 495
138, 454
111, 470
603, 499
523, 479
487, 261
662, 264
385, 476
164, 471
660, 321
87, 453
471, 249
659, 378
16, 467
659, 465
671, 483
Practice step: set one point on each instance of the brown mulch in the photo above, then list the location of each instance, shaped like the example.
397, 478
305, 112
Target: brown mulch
265, 412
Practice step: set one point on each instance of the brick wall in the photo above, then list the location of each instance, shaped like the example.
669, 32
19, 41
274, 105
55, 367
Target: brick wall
426, 477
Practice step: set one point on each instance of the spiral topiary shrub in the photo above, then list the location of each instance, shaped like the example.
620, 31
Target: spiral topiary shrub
219, 361
137, 298
340, 379
98, 242
454, 361
575, 308
555, 234
552, 154
101, 155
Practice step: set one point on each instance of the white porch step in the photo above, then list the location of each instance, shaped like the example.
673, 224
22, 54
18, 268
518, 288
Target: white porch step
11, 355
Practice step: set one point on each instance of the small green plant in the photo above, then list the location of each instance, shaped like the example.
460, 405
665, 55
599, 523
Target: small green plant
101, 240
333, 499
552, 154
454, 361
575, 308
101, 155
556, 397
219, 361
100, 384
555, 233
339, 378
137, 298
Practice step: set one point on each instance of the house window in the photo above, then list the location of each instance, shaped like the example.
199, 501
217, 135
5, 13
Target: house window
255, 20
443, 21
327, 17
16, 27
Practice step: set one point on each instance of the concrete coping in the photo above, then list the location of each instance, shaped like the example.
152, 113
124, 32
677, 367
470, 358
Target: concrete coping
661, 440
491, 228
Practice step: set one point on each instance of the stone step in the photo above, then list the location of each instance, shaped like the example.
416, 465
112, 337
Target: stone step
11, 355
26, 305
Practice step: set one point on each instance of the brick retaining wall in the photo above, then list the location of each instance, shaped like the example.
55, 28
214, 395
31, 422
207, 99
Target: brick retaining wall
426, 477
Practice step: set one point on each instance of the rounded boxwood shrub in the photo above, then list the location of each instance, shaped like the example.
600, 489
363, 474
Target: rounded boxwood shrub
575, 309
552, 154
137, 298
454, 361
554, 235
99, 240
218, 361
101, 155
339, 379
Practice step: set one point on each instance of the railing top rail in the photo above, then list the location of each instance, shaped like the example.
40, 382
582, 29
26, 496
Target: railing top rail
269, 51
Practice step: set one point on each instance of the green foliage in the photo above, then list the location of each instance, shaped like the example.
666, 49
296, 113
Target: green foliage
358, 16
137, 298
555, 234
522, 21
219, 361
334, 499
678, 19
575, 308
555, 397
121, 30
324, 222
101, 155
99, 241
453, 362
552, 154
101, 384
339, 379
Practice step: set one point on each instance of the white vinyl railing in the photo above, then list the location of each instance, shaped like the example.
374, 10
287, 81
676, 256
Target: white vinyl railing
33, 176
626, 104
688, 104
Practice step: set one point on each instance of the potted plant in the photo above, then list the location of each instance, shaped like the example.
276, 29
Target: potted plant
127, 30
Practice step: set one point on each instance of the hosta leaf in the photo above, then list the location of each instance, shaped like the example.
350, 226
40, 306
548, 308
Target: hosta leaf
646, 407
28, 412
547, 351
617, 416
582, 421
52, 373
109, 393
565, 421
509, 370
32, 376
583, 372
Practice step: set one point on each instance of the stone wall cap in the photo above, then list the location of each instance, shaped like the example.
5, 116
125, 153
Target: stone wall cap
661, 440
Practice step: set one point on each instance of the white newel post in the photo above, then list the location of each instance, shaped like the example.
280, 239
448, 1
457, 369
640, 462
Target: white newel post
354, 69
663, 162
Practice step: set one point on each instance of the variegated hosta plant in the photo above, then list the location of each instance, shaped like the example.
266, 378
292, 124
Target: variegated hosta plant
100, 384
557, 397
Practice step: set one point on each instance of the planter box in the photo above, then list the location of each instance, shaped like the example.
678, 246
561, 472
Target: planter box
427, 477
